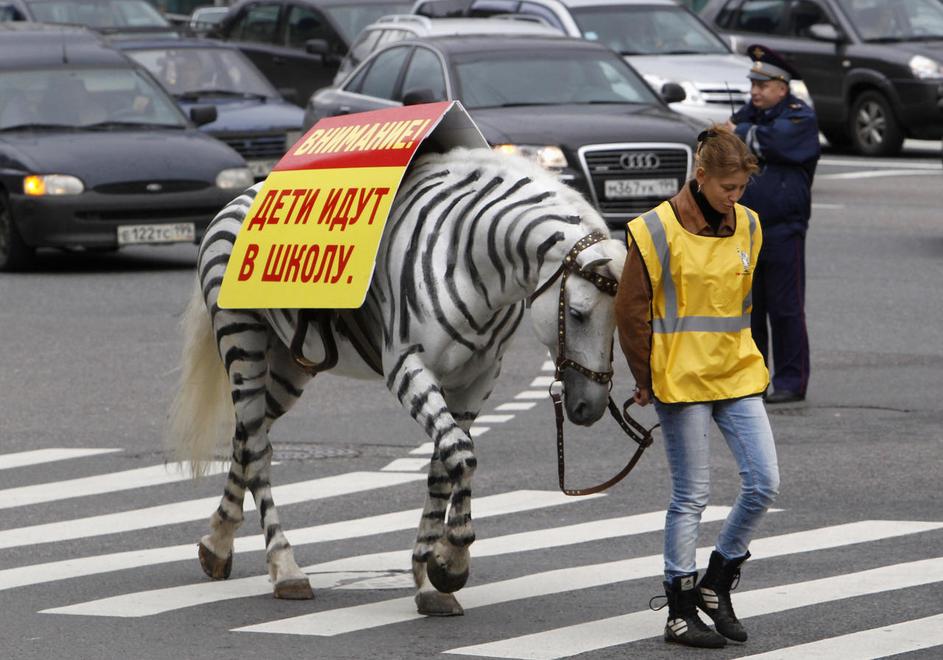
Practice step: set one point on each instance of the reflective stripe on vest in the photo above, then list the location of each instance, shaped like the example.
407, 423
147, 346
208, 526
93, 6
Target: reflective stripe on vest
671, 322
696, 355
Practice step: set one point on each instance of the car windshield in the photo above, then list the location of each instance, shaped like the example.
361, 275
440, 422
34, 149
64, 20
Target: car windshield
205, 72
547, 78
99, 13
901, 20
647, 30
351, 19
84, 98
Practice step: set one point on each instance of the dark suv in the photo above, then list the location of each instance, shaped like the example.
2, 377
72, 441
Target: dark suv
874, 68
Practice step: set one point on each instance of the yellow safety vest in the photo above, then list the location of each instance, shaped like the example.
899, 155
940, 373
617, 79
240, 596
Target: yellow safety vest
702, 347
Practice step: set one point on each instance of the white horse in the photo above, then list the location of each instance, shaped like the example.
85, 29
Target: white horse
471, 237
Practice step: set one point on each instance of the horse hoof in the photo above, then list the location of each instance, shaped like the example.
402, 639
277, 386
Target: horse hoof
441, 578
213, 565
298, 589
433, 603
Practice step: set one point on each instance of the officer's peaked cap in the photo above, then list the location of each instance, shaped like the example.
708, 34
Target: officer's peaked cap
769, 65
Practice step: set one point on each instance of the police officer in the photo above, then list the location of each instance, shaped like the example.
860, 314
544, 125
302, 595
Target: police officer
782, 132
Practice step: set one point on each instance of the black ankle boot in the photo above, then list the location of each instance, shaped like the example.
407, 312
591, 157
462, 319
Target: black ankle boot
714, 595
684, 625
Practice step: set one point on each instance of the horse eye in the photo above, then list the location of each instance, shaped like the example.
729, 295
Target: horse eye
576, 315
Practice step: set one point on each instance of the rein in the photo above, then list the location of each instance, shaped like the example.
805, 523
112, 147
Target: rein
638, 433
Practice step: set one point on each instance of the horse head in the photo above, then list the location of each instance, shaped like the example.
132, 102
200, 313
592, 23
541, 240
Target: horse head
573, 313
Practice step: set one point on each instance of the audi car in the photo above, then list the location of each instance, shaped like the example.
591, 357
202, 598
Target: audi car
574, 106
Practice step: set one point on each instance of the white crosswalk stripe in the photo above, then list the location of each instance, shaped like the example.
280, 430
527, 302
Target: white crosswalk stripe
903, 637
491, 505
605, 633
168, 514
99, 484
334, 573
399, 610
39, 456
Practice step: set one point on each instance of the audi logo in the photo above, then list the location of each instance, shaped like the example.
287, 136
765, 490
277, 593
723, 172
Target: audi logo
640, 160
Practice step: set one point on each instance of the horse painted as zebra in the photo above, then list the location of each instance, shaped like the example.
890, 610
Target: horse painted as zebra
472, 235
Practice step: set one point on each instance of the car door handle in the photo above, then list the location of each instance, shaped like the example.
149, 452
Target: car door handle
343, 110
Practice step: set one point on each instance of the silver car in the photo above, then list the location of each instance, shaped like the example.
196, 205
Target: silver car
662, 40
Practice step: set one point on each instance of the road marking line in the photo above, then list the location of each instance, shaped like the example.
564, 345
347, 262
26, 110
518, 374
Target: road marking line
876, 174
517, 405
542, 381
880, 642
548, 366
37, 456
532, 394
425, 449
880, 163
177, 512
397, 610
405, 465
334, 574
476, 431
490, 505
99, 484
494, 419
605, 633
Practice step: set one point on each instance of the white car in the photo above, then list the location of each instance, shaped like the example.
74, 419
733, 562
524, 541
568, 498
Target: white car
662, 40
397, 27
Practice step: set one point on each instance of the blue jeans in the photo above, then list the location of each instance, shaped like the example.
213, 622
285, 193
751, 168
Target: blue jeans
746, 429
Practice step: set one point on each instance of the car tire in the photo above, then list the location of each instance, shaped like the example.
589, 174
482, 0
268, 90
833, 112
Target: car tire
874, 129
14, 253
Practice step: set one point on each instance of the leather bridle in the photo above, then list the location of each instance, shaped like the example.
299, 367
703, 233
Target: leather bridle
608, 285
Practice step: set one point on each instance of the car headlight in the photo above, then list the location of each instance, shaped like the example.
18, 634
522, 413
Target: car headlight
548, 156
39, 185
923, 67
235, 177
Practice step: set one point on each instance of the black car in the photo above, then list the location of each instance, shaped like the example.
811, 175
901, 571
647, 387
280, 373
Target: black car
298, 44
252, 117
116, 18
874, 68
573, 105
95, 154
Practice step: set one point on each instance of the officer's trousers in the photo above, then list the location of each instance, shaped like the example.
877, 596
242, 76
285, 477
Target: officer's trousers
779, 312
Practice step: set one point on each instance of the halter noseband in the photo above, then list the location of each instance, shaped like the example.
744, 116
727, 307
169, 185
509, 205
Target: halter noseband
605, 284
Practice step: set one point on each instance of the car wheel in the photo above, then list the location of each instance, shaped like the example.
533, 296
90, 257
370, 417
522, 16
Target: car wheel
873, 127
14, 253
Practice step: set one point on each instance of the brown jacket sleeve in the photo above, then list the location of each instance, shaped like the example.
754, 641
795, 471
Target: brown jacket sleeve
634, 316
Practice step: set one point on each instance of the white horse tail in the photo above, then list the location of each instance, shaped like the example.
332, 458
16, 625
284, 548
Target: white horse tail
201, 414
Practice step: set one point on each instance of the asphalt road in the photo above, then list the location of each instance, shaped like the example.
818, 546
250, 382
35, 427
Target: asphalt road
97, 550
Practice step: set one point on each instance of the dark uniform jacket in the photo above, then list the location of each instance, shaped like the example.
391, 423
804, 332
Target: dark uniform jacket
785, 139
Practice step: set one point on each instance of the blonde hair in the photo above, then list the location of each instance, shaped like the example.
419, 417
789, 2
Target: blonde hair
720, 152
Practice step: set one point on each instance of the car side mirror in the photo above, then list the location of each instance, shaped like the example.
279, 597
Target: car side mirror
825, 32
672, 92
203, 114
417, 96
322, 48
